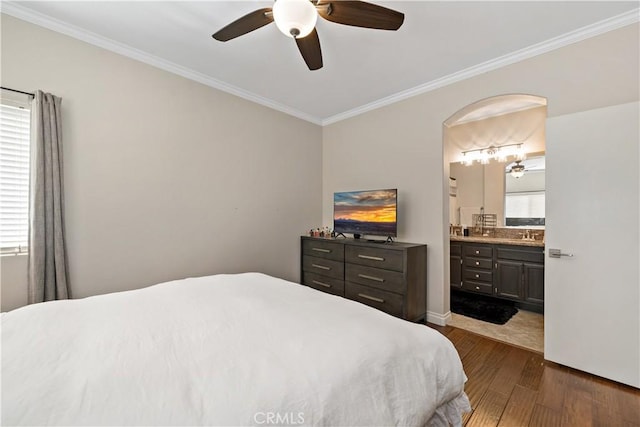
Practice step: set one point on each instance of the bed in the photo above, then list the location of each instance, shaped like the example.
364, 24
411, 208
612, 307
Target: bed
237, 349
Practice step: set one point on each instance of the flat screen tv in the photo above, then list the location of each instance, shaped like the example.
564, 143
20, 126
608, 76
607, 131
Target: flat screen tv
371, 212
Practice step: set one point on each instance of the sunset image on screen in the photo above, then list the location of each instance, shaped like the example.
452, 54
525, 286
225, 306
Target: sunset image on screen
373, 211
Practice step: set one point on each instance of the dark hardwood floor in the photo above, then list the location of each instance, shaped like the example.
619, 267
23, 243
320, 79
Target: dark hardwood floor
510, 386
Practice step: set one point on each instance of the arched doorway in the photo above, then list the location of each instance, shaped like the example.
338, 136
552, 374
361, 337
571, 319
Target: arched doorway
489, 136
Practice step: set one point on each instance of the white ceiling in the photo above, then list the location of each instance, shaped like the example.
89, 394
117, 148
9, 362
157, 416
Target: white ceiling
439, 43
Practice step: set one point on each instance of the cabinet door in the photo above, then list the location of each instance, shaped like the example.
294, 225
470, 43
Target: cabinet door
534, 283
509, 279
456, 271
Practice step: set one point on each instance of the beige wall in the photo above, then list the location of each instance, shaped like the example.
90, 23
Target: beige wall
401, 145
13, 278
494, 182
165, 177
470, 181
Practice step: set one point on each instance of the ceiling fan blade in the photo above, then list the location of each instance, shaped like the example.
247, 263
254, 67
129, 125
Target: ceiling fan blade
246, 24
360, 14
309, 47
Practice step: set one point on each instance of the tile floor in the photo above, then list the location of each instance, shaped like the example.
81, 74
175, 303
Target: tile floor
525, 329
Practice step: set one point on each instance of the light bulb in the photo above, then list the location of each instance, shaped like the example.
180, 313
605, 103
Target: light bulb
295, 18
484, 157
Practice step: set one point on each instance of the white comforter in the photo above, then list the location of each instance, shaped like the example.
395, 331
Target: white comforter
245, 349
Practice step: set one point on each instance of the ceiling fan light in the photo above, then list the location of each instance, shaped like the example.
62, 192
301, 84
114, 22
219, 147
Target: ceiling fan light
295, 18
517, 170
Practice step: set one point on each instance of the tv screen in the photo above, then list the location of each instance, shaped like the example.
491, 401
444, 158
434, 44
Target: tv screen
371, 212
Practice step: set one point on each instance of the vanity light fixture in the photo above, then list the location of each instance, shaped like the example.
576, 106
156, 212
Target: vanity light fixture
517, 170
501, 153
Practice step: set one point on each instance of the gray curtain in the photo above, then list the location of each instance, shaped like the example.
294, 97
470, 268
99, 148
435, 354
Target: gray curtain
47, 252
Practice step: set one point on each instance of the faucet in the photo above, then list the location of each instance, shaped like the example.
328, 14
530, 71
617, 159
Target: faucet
527, 235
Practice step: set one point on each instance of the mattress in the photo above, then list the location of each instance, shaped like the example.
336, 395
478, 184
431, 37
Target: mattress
241, 349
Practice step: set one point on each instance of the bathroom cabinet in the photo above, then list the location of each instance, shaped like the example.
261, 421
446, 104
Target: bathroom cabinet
509, 279
505, 271
455, 262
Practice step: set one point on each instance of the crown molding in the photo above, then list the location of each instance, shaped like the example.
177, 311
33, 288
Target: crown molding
20, 12
592, 30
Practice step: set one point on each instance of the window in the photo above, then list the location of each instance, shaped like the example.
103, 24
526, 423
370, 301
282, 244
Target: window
14, 176
524, 201
524, 209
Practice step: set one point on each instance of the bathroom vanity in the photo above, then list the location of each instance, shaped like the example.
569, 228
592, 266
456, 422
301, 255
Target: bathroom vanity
511, 269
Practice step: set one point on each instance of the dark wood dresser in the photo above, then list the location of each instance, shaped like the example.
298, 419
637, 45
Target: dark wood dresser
391, 277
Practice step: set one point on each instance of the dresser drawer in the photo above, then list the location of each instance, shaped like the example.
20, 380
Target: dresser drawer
386, 280
479, 275
323, 249
478, 251
485, 288
323, 283
386, 301
387, 259
481, 263
324, 267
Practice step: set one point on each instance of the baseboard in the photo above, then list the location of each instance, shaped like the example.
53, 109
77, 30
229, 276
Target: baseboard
536, 308
438, 319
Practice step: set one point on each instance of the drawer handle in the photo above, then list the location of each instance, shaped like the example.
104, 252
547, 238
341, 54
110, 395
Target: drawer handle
369, 297
477, 252
326, 251
477, 276
477, 262
377, 279
477, 288
322, 267
374, 258
326, 285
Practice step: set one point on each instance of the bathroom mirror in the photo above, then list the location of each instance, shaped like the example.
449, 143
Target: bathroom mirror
517, 202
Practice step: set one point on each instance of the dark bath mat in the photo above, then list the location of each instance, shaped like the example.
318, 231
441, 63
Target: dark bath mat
482, 308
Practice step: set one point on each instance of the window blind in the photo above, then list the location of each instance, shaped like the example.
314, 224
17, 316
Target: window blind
524, 205
14, 178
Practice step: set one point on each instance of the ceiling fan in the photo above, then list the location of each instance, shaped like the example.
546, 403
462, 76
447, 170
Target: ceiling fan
297, 19
517, 170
